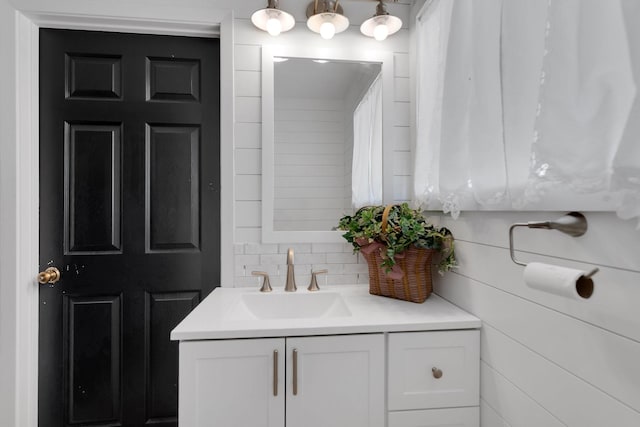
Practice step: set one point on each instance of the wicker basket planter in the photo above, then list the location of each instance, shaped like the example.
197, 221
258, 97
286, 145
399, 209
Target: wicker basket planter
398, 244
414, 285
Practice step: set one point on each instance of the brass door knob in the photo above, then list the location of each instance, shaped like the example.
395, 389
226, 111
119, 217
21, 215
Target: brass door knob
50, 276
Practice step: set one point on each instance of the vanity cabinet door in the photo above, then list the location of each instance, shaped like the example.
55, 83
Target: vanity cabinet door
228, 383
336, 381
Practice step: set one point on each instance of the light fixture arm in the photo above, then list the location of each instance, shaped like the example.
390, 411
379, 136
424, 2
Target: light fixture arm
381, 9
326, 6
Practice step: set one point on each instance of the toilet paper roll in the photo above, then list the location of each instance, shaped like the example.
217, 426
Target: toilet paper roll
566, 282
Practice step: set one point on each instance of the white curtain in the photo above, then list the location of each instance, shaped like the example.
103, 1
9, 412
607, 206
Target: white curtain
460, 155
366, 179
586, 94
517, 99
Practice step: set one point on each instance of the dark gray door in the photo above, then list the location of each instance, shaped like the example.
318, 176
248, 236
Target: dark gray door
129, 213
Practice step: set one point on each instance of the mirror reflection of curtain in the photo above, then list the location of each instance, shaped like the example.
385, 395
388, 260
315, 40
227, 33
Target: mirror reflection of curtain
366, 184
518, 99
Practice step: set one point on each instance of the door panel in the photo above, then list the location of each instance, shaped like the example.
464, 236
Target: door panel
93, 76
172, 193
92, 328
129, 213
164, 310
92, 184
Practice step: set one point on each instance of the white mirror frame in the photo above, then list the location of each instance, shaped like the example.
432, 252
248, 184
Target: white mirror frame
269, 235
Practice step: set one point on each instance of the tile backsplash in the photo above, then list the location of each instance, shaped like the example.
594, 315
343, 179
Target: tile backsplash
344, 266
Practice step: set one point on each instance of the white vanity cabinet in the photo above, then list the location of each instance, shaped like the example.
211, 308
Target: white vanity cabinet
431, 371
325, 381
249, 359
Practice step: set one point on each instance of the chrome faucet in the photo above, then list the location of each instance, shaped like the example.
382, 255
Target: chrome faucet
290, 285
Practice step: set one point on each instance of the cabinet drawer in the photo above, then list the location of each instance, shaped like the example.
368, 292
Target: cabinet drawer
458, 417
433, 369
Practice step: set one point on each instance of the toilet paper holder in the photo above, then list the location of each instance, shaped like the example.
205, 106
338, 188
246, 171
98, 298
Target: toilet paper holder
574, 224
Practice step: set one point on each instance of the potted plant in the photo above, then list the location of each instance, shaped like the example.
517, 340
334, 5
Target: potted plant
398, 244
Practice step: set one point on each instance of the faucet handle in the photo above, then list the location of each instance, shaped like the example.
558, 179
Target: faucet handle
266, 284
313, 286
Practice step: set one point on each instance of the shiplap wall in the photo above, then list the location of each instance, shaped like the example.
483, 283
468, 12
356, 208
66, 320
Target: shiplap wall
547, 360
309, 173
250, 253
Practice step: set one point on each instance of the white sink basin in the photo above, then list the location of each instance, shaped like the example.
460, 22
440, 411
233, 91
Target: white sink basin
289, 305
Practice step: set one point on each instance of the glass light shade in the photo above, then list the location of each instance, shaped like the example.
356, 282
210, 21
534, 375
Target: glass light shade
274, 26
325, 20
370, 27
327, 30
380, 32
274, 21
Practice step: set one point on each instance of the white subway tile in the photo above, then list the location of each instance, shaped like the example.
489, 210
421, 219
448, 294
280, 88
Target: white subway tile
239, 270
332, 268
327, 247
242, 260
271, 269
272, 259
247, 282
363, 279
347, 247
356, 268
238, 248
297, 248
261, 248
342, 279
310, 258
342, 258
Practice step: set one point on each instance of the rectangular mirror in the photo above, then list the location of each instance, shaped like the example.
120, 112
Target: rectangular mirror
319, 113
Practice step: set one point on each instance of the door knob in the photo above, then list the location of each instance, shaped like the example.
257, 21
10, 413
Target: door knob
50, 276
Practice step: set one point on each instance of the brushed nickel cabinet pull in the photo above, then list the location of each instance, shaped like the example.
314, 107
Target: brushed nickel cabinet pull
275, 372
295, 372
437, 373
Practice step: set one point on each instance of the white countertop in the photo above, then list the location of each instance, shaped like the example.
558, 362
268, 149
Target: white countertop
211, 319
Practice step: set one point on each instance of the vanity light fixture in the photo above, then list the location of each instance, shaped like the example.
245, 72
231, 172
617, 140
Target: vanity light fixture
273, 20
382, 24
326, 18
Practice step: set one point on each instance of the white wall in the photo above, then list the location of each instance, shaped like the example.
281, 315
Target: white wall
8, 336
547, 360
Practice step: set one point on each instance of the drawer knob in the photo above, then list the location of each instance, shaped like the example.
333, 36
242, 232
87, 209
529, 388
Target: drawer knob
437, 373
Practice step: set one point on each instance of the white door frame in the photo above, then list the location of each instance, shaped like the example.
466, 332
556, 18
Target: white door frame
170, 20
